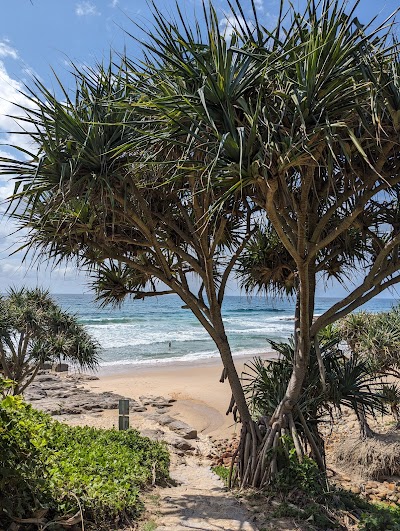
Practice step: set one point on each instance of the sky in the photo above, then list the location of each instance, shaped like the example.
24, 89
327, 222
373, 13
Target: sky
41, 37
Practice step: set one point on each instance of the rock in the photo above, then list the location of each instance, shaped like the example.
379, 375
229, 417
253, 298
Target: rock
183, 429
154, 417
165, 420
46, 378
154, 435
35, 390
156, 401
137, 409
60, 367
60, 394
181, 444
35, 396
46, 365
53, 386
82, 377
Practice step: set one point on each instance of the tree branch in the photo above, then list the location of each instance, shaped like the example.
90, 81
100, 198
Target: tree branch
343, 309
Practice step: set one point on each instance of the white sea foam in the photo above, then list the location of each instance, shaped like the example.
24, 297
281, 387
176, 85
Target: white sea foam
140, 332
190, 357
119, 336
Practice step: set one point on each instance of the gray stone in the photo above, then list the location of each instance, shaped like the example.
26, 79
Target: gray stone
46, 378
35, 396
155, 417
60, 367
155, 401
183, 429
165, 420
181, 444
137, 409
53, 386
59, 394
69, 410
35, 391
82, 377
154, 435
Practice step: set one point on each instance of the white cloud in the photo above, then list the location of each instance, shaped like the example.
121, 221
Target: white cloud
12, 98
7, 51
114, 3
6, 189
230, 24
13, 270
259, 5
86, 9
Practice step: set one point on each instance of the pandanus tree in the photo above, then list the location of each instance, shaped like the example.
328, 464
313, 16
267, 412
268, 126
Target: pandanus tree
35, 330
155, 172
304, 122
102, 190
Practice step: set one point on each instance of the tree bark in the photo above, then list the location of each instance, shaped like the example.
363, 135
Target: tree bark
232, 375
365, 430
306, 289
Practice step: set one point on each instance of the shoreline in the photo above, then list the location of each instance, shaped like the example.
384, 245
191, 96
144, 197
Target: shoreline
160, 364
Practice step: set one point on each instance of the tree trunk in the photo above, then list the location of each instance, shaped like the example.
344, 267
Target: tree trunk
257, 458
395, 412
365, 430
303, 321
234, 380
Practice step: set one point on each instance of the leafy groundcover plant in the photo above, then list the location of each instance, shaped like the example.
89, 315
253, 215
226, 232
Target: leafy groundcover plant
49, 470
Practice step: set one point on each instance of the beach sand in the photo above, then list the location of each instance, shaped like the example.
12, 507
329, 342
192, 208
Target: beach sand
201, 400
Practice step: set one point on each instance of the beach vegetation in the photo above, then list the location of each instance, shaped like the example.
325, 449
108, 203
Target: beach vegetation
317, 509
54, 474
375, 337
348, 382
222, 472
160, 172
101, 189
35, 330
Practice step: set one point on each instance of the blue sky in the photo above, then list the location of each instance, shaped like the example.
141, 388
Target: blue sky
38, 36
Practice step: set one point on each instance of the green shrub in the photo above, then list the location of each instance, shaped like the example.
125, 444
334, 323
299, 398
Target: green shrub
222, 472
382, 518
44, 463
304, 476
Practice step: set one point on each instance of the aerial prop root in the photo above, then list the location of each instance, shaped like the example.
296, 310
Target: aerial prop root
256, 461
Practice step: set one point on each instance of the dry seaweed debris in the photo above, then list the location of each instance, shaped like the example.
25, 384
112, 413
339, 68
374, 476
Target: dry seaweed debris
374, 458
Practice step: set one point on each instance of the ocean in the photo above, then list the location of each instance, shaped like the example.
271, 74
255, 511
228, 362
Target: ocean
158, 330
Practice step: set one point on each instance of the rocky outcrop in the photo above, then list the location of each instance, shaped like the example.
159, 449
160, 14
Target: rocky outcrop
65, 396
156, 401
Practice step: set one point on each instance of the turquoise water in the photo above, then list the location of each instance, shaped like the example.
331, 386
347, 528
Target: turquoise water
158, 330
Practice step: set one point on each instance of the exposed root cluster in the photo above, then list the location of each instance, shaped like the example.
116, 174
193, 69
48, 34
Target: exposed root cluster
257, 458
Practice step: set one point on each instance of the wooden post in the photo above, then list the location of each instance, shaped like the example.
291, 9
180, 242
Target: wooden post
123, 406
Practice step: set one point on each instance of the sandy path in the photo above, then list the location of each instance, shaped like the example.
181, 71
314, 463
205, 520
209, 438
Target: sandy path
200, 501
